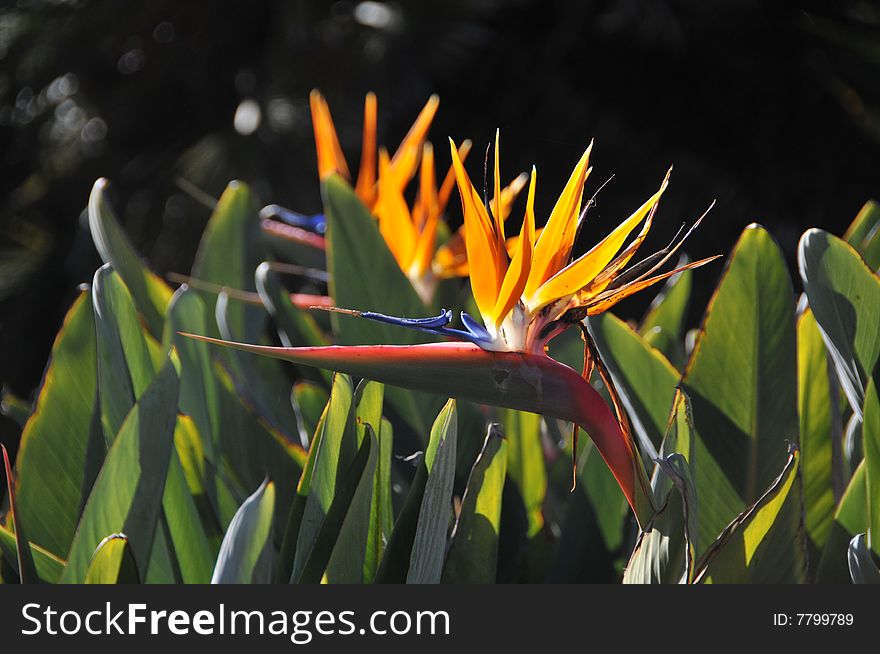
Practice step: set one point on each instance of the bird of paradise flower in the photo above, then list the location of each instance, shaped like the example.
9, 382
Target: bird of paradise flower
412, 231
525, 299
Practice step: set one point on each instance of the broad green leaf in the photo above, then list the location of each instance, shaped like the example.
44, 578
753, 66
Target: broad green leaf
347, 515
27, 573
199, 396
742, 384
864, 234
817, 431
246, 552
871, 436
643, 377
127, 495
357, 542
746, 552
525, 463
47, 565
666, 553
435, 512
845, 298
320, 484
364, 275
664, 323
125, 367
473, 555
850, 519
151, 294
113, 563
228, 254
62, 446
348, 559
191, 548
863, 567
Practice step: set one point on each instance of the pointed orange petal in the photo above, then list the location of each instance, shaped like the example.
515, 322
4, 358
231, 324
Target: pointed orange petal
406, 158
366, 180
518, 273
395, 223
430, 213
554, 247
449, 181
480, 241
582, 271
509, 193
330, 157
606, 300
496, 201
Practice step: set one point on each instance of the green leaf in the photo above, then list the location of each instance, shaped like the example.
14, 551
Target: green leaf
365, 276
27, 573
228, 254
435, 512
473, 555
348, 512
62, 446
191, 548
246, 552
864, 234
358, 542
150, 293
746, 550
850, 519
871, 436
199, 395
127, 495
664, 323
862, 567
48, 566
742, 383
643, 377
817, 429
845, 297
319, 483
666, 553
525, 463
125, 367
113, 563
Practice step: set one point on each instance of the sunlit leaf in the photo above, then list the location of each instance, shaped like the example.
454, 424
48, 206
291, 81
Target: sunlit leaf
435, 512
246, 555
113, 563
127, 495
845, 298
473, 554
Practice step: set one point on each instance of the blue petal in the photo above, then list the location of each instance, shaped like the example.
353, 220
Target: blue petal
434, 322
315, 223
473, 331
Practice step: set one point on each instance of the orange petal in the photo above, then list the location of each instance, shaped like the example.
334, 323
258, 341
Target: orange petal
480, 241
366, 180
330, 157
554, 247
582, 271
518, 273
395, 223
406, 158
449, 180
430, 213
606, 300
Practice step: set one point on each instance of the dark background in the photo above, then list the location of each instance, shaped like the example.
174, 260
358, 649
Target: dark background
769, 107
